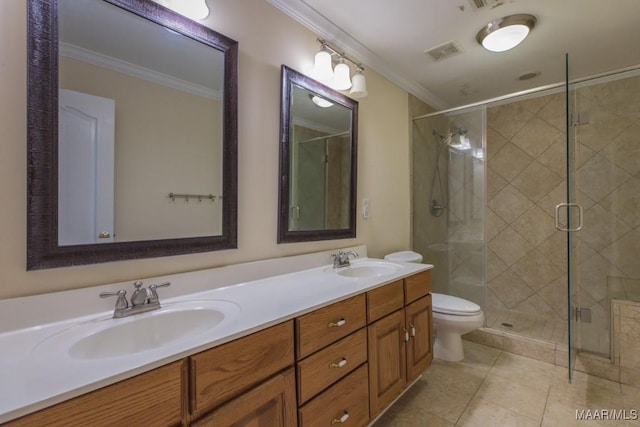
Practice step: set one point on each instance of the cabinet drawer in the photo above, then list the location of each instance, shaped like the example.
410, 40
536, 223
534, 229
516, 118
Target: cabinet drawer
153, 398
272, 403
321, 369
328, 324
384, 300
417, 286
226, 371
347, 399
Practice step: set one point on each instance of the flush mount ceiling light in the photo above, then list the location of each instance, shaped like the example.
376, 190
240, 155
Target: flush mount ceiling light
506, 33
320, 102
338, 78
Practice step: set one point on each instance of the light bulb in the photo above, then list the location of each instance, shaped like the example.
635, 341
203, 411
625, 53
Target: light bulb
322, 70
192, 9
359, 88
341, 77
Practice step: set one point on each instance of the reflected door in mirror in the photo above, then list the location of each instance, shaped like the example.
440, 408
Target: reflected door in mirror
168, 127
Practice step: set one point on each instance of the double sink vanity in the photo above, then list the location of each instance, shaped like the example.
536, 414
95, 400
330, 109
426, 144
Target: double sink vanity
286, 342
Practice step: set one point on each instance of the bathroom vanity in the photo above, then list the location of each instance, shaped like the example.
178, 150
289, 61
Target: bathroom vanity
319, 346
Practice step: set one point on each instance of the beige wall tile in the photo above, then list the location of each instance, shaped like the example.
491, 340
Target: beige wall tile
508, 119
535, 137
510, 161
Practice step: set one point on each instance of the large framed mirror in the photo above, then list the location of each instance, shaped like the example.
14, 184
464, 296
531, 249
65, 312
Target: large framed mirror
132, 133
318, 158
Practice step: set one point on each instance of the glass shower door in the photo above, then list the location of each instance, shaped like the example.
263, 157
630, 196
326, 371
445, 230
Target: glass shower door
572, 222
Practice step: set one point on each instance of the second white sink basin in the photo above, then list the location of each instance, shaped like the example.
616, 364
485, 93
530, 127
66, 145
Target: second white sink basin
369, 269
108, 338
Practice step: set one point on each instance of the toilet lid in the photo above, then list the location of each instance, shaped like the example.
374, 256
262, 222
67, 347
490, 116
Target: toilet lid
447, 304
404, 256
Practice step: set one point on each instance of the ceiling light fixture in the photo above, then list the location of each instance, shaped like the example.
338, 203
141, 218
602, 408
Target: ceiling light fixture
320, 102
338, 78
506, 33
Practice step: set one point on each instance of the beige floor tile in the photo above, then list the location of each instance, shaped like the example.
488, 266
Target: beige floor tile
523, 370
412, 410
559, 413
525, 398
586, 394
631, 398
455, 377
486, 414
440, 399
479, 356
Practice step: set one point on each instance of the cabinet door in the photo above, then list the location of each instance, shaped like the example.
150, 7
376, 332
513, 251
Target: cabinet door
420, 345
387, 360
223, 372
273, 404
150, 399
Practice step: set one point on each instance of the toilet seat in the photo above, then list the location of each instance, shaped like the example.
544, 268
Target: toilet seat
447, 304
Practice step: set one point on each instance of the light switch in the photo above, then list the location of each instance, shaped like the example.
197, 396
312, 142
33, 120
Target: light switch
365, 208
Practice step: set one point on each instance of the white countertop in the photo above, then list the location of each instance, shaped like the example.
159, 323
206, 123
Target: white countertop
30, 380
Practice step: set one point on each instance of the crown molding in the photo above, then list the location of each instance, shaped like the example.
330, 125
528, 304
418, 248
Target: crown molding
316, 22
120, 66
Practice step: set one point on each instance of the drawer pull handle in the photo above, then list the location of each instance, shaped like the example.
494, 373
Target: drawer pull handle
337, 324
413, 329
340, 364
340, 420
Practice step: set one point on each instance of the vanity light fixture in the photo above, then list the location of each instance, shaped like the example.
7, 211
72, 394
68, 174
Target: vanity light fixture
192, 9
506, 33
338, 78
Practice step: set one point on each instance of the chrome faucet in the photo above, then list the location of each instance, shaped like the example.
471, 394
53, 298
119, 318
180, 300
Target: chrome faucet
341, 259
142, 300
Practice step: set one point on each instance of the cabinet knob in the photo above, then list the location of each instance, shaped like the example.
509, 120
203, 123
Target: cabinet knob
406, 334
340, 364
412, 329
104, 235
337, 324
340, 420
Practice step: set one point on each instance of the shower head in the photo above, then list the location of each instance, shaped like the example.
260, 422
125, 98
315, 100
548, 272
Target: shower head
451, 140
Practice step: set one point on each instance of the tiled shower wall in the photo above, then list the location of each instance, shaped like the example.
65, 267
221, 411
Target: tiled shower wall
526, 256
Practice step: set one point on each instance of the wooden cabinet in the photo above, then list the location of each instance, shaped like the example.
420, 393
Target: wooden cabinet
343, 363
328, 324
387, 360
333, 384
346, 402
272, 403
420, 345
153, 398
400, 344
218, 374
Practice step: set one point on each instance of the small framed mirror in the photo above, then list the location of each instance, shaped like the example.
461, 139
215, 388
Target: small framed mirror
132, 133
318, 158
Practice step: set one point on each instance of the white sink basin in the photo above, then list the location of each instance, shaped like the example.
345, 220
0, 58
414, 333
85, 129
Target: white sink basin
108, 337
369, 269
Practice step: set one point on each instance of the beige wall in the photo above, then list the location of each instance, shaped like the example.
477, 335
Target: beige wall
267, 39
152, 155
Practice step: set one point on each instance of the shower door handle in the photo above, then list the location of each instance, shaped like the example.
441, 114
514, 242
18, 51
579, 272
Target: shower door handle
568, 206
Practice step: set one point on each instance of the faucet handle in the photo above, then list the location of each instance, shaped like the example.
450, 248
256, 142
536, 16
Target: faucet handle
154, 294
121, 302
352, 253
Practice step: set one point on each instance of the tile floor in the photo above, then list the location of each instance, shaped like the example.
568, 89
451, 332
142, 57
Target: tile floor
492, 387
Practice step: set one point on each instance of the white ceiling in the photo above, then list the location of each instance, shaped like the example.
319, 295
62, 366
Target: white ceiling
391, 37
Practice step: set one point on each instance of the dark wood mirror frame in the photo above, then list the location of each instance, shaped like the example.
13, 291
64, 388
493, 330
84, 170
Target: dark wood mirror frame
43, 250
290, 77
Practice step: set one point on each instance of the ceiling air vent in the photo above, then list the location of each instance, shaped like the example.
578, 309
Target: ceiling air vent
490, 4
444, 51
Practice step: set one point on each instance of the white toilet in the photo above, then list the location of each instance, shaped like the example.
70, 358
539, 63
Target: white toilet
452, 317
